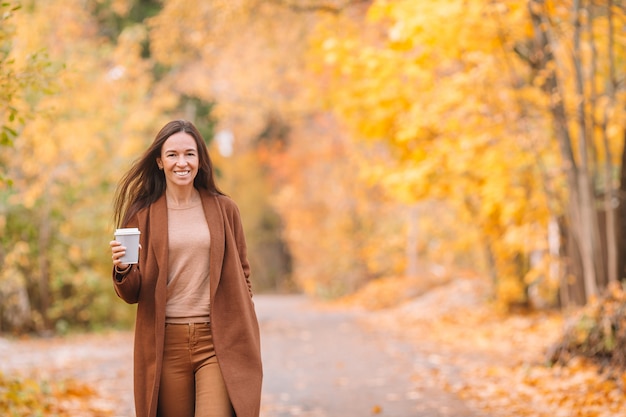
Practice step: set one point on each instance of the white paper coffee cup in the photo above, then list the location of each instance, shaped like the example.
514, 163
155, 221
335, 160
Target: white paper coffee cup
129, 238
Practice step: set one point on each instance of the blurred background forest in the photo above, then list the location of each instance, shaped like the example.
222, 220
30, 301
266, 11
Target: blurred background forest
363, 140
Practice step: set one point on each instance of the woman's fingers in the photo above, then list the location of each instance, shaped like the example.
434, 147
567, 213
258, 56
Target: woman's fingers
117, 251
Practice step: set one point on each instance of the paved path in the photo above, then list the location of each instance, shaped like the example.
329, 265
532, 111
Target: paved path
325, 363
318, 362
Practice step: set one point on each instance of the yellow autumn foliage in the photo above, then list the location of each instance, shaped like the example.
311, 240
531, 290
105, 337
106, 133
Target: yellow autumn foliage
25, 397
443, 86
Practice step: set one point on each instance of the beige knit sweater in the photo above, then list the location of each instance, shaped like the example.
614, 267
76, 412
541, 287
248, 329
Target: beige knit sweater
188, 290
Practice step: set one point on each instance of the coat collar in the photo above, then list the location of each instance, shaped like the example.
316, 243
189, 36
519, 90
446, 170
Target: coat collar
159, 232
215, 220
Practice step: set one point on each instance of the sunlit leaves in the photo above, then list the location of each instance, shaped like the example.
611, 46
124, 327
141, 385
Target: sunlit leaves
21, 397
71, 151
25, 75
440, 87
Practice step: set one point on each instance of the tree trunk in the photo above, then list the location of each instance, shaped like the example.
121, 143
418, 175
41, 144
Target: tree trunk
590, 239
609, 197
582, 220
44, 262
543, 60
607, 241
621, 220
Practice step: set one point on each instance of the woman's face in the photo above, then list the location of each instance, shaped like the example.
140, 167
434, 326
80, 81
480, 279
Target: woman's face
179, 160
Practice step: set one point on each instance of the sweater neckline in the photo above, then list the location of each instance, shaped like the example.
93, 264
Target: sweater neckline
186, 206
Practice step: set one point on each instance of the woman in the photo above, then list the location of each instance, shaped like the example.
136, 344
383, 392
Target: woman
197, 344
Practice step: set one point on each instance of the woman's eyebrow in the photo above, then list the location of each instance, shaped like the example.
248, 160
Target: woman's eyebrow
176, 150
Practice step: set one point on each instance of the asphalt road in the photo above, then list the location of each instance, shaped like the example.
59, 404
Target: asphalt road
323, 362
318, 362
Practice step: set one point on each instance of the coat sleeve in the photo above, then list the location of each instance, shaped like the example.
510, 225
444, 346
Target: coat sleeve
127, 288
240, 239
127, 285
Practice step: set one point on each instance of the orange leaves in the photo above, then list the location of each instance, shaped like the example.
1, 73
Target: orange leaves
28, 397
597, 332
497, 362
537, 391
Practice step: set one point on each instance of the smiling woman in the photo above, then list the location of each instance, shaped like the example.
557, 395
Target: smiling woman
191, 285
179, 163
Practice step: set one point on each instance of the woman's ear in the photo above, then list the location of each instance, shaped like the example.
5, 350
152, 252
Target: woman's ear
159, 163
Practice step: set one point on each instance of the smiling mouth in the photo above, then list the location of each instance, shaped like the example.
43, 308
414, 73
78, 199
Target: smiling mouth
182, 173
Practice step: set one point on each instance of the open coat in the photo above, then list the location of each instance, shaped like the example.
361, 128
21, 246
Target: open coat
233, 319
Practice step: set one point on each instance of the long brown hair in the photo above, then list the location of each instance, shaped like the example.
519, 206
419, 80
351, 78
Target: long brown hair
144, 182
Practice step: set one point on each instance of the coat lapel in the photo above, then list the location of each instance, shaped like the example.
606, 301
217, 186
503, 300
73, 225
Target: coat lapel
159, 231
213, 214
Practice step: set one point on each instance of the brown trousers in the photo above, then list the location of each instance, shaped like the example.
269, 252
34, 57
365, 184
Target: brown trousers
191, 380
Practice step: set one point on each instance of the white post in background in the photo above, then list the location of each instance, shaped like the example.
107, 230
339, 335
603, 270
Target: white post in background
554, 249
225, 141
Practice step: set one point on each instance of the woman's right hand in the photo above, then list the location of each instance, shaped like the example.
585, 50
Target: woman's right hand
117, 251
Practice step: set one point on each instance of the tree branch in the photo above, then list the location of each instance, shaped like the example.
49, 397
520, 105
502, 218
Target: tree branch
321, 6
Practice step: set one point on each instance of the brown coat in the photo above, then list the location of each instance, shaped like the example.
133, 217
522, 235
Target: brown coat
233, 318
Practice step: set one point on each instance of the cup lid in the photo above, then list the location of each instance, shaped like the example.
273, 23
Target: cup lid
127, 231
